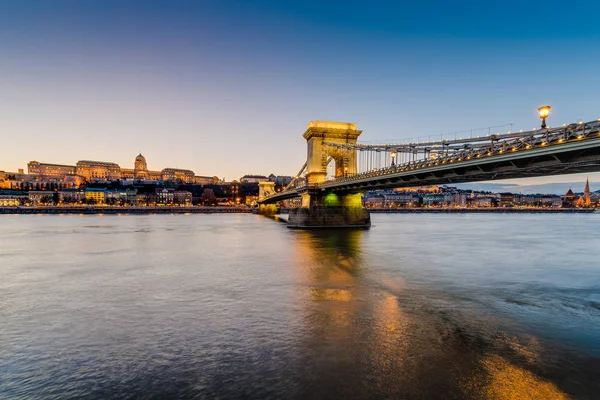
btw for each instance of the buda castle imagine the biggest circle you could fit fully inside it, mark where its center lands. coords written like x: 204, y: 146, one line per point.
x: 101, y: 171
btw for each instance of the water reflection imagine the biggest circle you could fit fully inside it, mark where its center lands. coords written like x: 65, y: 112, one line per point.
x: 196, y: 307
x: 365, y: 337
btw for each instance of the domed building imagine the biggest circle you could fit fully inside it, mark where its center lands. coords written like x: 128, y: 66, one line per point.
x: 140, y: 170
x: 140, y: 163
x: 140, y: 167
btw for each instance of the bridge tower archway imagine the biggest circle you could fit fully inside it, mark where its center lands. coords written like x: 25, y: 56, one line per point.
x: 317, y: 135
x: 265, y: 189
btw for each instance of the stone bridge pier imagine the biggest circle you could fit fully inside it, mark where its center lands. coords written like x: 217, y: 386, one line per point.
x: 321, y: 208
x: 266, y: 189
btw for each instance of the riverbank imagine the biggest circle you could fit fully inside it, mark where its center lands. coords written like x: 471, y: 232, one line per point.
x: 123, y: 210
x: 479, y: 210
x: 243, y: 210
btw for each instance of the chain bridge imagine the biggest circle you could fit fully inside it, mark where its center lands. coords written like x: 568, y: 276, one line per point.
x: 334, y: 199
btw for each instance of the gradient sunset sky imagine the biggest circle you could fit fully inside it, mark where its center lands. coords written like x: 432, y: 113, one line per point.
x: 227, y: 87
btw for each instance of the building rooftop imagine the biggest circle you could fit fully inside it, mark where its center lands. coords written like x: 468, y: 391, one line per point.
x: 98, y: 162
x: 254, y: 176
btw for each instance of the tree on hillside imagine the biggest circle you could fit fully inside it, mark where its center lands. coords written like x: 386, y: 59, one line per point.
x: 208, y: 197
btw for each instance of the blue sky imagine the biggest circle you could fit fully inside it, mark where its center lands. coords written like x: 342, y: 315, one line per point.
x: 227, y: 87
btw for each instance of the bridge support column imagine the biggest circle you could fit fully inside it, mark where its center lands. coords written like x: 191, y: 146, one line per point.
x: 267, y: 209
x: 330, y: 210
x: 266, y: 189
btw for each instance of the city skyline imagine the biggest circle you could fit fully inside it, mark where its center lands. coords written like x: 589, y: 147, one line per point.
x: 227, y: 88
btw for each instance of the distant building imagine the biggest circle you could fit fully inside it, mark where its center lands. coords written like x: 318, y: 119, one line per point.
x: 569, y: 200
x: 140, y: 171
x: 164, y: 196
x: 506, y: 199
x: 434, y: 199
x: 459, y: 199
x: 178, y: 175
x: 98, y: 171
x: 58, y: 170
x: 586, y: 199
x: 206, y: 180
x: 93, y: 171
x: 253, y: 179
x: 145, y: 198
x: 538, y: 200
x: 96, y: 195
x: 391, y: 199
x: 120, y: 196
x: 41, y: 197
x: 485, y: 201
x: 71, y: 196
x: 12, y: 198
x: 280, y: 180
x: 182, y: 197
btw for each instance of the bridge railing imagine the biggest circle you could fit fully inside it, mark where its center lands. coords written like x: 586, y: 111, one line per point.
x: 450, y: 152
x: 286, y: 191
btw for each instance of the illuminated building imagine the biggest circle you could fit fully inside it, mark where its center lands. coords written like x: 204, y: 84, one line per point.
x: 140, y: 167
x: 120, y: 196
x: 569, y: 199
x: 164, y: 196
x: 92, y: 171
x: 41, y: 197
x: 145, y: 198
x: 253, y: 179
x: 11, y: 198
x: 587, y: 199
x: 182, y: 197
x: 206, y: 180
x: 98, y: 171
x: 71, y: 196
x: 96, y: 195
x: 140, y: 171
x: 58, y: 170
x: 21, y: 181
x: 177, y: 175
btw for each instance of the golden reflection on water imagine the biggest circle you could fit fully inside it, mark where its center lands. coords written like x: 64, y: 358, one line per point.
x: 320, y: 294
x: 359, y: 330
x: 505, y: 381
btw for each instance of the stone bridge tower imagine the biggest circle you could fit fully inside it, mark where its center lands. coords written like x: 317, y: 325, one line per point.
x: 318, y: 132
x: 265, y: 189
x: 322, y: 208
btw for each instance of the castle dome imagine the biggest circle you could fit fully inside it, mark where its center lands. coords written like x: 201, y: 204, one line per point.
x: 140, y: 163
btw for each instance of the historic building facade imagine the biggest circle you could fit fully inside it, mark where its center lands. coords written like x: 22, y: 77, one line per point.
x: 58, y: 170
x: 92, y: 171
x: 98, y: 171
x: 177, y: 175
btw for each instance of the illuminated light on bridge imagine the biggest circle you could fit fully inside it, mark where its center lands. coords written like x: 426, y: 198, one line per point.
x: 544, y: 112
x: 572, y: 148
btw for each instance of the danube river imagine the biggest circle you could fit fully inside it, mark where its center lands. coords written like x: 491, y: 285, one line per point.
x: 464, y: 306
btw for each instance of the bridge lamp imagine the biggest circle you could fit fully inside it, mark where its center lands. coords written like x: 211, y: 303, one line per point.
x: 544, y: 112
x: 345, y: 171
x: 393, y: 155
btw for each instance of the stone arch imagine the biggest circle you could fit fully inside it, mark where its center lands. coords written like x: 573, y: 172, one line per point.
x: 317, y: 134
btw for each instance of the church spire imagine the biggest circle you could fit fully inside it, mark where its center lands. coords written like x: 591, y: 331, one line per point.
x: 587, y: 185
x: 586, y: 194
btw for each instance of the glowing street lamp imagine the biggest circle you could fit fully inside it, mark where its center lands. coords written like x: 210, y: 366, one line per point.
x: 544, y: 112
x: 393, y: 158
x: 345, y: 171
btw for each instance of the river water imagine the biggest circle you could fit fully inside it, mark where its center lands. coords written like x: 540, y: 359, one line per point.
x: 464, y: 306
